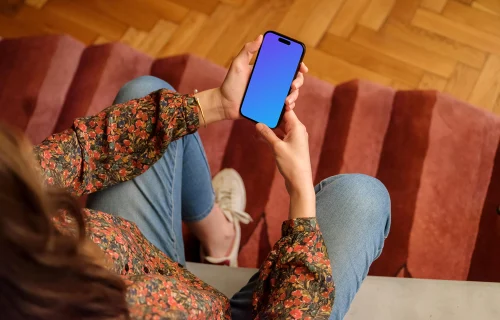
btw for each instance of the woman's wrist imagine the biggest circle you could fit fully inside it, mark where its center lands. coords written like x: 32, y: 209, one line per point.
x: 211, y: 104
x: 303, y: 203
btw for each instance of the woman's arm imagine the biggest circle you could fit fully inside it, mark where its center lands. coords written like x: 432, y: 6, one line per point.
x: 117, y: 144
x: 295, y: 281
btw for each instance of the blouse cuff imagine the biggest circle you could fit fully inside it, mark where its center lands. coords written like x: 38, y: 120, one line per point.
x: 293, y: 226
x: 189, y: 106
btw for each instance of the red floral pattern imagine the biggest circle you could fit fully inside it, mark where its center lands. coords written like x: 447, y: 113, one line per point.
x: 122, y: 142
x: 296, y: 278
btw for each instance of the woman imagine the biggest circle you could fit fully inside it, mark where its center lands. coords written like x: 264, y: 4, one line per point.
x: 142, y: 160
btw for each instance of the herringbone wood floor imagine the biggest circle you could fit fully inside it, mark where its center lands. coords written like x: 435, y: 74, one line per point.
x: 448, y: 45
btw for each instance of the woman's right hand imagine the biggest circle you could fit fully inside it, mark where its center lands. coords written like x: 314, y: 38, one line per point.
x: 294, y: 164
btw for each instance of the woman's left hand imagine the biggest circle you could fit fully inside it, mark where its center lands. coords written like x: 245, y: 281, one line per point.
x: 235, y: 83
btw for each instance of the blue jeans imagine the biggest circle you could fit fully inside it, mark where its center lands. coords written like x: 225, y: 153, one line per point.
x: 353, y: 210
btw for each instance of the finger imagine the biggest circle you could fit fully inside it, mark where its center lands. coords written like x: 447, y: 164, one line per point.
x: 267, y: 133
x: 290, y: 120
x: 303, y: 68
x: 299, y: 81
x: 292, y: 97
x: 243, y: 58
x: 290, y: 107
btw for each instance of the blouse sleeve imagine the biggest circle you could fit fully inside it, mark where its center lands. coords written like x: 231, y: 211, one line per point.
x: 295, y: 281
x: 117, y: 144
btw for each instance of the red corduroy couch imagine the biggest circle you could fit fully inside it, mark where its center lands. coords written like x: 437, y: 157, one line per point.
x: 439, y: 157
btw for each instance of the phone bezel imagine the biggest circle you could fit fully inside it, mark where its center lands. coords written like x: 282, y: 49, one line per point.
x: 296, y: 72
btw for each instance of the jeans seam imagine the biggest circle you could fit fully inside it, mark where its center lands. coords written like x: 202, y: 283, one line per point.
x: 202, y: 151
x: 172, y: 225
x: 206, y: 212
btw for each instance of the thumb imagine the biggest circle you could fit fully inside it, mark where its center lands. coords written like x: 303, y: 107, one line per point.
x: 246, y: 54
x: 267, y: 133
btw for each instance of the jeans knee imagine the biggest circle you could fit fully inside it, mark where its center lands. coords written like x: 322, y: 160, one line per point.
x: 140, y: 87
x: 366, y: 194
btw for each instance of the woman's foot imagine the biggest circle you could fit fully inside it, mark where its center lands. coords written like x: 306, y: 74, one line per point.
x: 230, y: 198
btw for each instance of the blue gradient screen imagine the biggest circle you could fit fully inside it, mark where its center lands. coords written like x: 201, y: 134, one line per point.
x: 272, y: 77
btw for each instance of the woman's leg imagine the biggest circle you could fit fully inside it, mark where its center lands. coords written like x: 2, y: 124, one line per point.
x: 354, y: 215
x: 177, y: 187
x: 353, y: 212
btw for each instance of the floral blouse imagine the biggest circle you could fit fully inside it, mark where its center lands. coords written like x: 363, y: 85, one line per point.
x: 122, y: 142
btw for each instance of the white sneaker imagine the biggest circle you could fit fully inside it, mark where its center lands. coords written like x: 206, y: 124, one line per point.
x: 230, y: 195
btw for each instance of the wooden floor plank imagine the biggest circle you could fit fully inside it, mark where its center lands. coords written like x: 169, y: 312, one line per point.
x: 233, y: 2
x: 307, y: 20
x: 213, y: 29
x: 496, y: 108
x: 101, y: 40
x: 157, y: 37
x: 460, y: 32
x: 186, y: 33
x: 493, y: 5
x: 167, y: 10
x: 432, y: 82
x: 472, y: 17
x: 56, y: 23
x: 133, y: 37
x: 403, y: 51
x: 280, y: 9
x: 294, y: 18
x: 318, y: 21
x: 397, y: 85
x: 434, y: 5
x: 87, y: 18
x: 376, y: 14
x: 204, y: 6
x: 269, y: 17
x: 462, y: 81
x: 347, y: 18
x: 479, y: 6
x: 487, y: 89
x: 435, y: 43
x: 13, y: 28
x: 375, y: 61
x: 130, y: 12
x: 35, y: 3
x: 240, y: 30
x: 404, y: 11
x: 336, y: 70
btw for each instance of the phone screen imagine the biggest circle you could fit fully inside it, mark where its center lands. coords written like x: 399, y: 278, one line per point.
x: 274, y: 70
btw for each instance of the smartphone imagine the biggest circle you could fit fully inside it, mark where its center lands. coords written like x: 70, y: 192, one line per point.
x: 275, y: 68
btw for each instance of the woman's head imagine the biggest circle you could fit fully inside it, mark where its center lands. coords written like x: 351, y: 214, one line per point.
x: 46, y: 273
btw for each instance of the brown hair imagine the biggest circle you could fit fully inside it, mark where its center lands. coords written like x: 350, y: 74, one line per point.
x: 45, y: 273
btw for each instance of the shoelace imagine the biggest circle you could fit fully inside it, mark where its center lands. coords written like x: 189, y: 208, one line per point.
x: 224, y: 200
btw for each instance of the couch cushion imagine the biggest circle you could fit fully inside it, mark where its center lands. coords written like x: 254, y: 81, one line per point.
x: 485, y: 259
x: 102, y: 71
x: 357, y: 124
x: 36, y: 73
x: 436, y: 163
